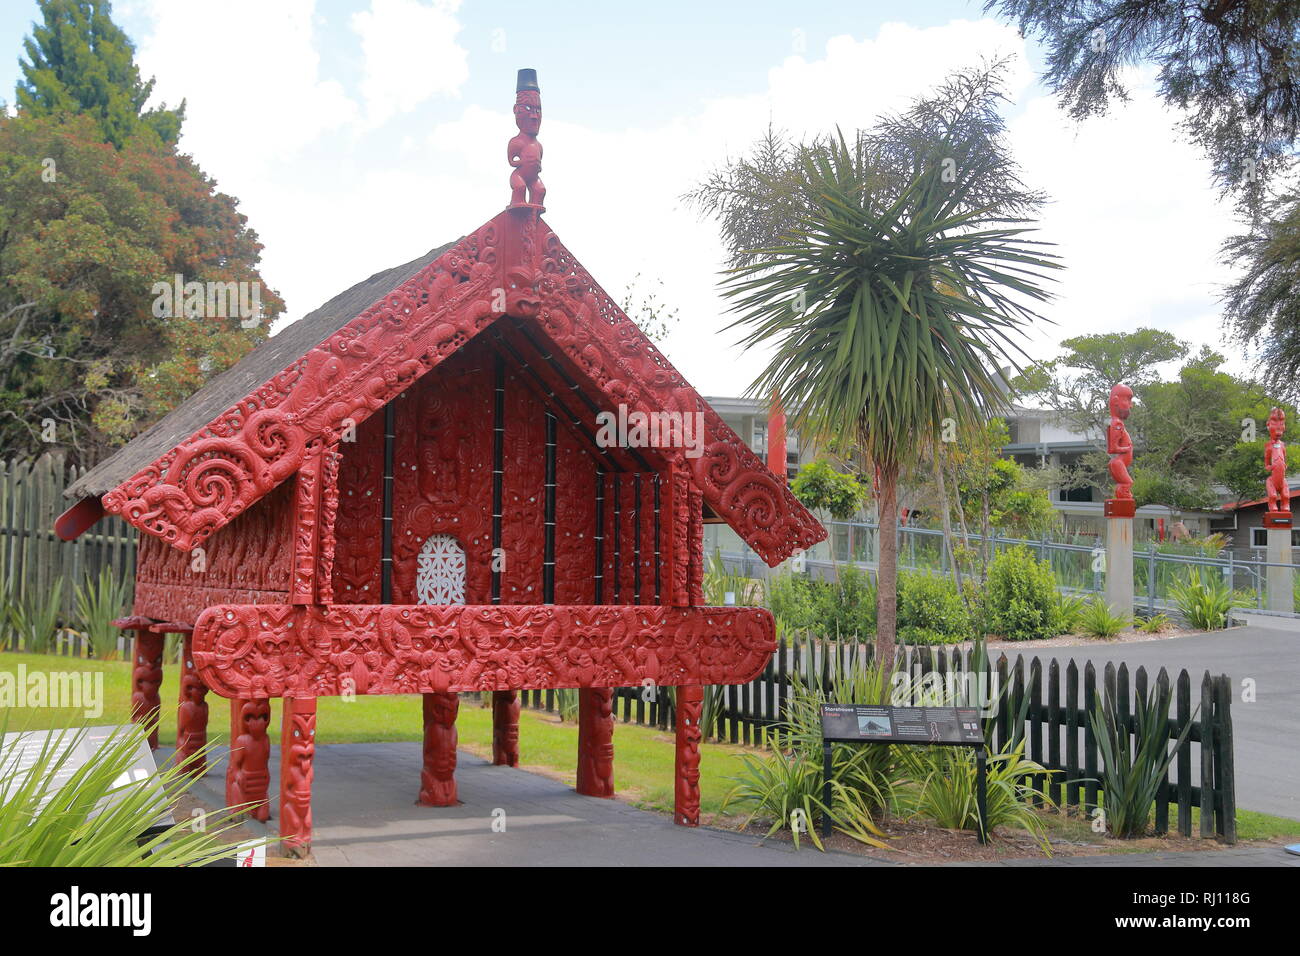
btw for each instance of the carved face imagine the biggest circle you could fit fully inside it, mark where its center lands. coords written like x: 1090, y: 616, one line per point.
x: 1276, y: 424
x: 1121, y: 401
x: 528, y: 112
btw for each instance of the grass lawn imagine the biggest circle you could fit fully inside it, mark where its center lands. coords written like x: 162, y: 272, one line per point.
x: 643, y: 757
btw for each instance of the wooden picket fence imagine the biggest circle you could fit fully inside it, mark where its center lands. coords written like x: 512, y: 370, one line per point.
x: 1046, y: 706
x: 32, y: 557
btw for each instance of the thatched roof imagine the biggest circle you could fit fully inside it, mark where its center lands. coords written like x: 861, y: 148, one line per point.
x: 244, y: 377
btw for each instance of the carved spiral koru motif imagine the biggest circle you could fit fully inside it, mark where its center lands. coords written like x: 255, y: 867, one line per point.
x: 259, y: 651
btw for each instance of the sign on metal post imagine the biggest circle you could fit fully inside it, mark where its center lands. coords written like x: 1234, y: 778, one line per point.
x: 885, y: 724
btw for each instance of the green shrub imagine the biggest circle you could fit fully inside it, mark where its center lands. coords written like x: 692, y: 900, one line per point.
x: 945, y: 792
x: 100, y: 601
x: 1155, y: 624
x: 1132, y: 771
x: 1020, y: 599
x: 1069, y: 609
x: 1205, y: 599
x: 846, y: 608
x: 36, y: 619
x: 930, y: 611
x: 792, y: 599
x: 1097, y: 621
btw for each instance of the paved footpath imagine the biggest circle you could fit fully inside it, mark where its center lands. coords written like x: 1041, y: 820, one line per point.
x: 364, y: 815
x: 1266, y: 732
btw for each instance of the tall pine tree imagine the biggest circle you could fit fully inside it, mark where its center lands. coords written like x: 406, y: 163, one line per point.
x: 80, y: 61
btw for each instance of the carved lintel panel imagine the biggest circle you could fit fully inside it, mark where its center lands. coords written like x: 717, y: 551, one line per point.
x: 292, y: 651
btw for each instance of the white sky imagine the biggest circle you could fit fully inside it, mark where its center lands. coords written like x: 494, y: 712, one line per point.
x: 361, y: 136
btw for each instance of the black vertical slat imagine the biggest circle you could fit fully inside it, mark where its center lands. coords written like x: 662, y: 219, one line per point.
x: 386, y: 552
x: 1226, y: 777
x: 1183, y: 761
x: 1054, y: 728
x: 1207, y: 757
x: 1162, y: 792
x: 548, y: 516
x: 600, y: 536
x: 1072, y: 716
x: 657, y: 542
x: 1036, y: 723
x: 498, y: 469
x: 1089, y: 736
x: 636, y: 537
x: 1003, y: 722
x: 618, y: 538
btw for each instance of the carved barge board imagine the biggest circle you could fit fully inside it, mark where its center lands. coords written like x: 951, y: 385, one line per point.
x: 262, y: 651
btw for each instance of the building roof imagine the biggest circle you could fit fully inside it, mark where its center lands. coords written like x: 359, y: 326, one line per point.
x: 256, y: 424
x: 224, y: 390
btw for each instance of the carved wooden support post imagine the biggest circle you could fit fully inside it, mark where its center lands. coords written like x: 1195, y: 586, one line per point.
x: 438, y: 779
x: 248, y: 776
x: 686, y: 798
x: 146, y: 673
x: 297, y: 749
x: 505, y: 728
x: 192, y: 708
x: 596, y: 742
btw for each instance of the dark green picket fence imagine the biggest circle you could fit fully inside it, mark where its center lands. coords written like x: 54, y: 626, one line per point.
x: 1046, y: 706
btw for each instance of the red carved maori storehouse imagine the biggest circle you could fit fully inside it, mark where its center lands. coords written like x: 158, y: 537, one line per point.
x: 409, y: 491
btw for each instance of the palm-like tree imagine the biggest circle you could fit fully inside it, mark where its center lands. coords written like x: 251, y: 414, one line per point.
x: 889, y: 310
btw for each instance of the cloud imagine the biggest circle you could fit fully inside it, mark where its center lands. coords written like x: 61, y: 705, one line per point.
x: 1132, y: 210
x: 410, y: 55
x: 249, y: 73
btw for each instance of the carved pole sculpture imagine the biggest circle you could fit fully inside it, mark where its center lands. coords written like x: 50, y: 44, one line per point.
x: 438, y: 778
x: 596, y: 742
x: 505, y: 728
x: 1276, y: 487
x: 248, y: 775
x: 192, y: 707
x: 1120, y: 509
x: 1277, y: 520
x: 146, y: 673
x: 524, y: 152
x: 686, y: 796
x: 776, y: 439
x: 297, y: 749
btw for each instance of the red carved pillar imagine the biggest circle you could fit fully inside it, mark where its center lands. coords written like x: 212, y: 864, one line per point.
x: 438, y: 779
x: 192, y: 710
x: 297, y: 748
x: 146, y: 673
x: 596, y: 742
x: 505, y: 728
x: 248, y: 777
x: 686, y: 797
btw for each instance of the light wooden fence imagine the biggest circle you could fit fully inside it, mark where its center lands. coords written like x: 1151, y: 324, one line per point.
x: 32, y: 557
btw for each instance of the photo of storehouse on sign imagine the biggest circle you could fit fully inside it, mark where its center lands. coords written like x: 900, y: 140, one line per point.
x: 404, y: 493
